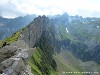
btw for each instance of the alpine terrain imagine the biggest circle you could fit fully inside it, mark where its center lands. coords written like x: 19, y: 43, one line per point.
x: 57, y: 45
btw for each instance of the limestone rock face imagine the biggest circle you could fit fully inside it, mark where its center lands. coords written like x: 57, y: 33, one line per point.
x: 16, y: 64
x: 34, y: 30
x: 7, y: 52
x: 14, y: 57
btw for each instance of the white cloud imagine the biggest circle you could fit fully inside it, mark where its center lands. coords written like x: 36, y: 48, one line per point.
x: 13, y: 8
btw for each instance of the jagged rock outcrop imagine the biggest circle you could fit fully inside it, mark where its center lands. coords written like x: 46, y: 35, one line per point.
x: 14, y: 57
x: 34, y: 30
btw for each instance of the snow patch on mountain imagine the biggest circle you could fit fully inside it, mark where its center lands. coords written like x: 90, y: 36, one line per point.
x: 98, y: 27
x: 67, y: 30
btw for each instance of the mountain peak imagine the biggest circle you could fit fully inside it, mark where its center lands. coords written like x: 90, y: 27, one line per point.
x: 20, y: 50
x: 34, y: 30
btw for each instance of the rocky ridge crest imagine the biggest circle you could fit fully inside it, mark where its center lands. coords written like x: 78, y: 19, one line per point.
x: 14, y: 57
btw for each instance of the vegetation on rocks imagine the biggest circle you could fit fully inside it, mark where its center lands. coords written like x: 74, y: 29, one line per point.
x: 10, y: 39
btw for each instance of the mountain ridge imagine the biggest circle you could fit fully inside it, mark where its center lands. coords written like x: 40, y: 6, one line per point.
x: 52, y: 42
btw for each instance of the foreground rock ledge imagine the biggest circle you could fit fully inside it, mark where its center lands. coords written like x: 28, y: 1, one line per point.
x: 17, y: 64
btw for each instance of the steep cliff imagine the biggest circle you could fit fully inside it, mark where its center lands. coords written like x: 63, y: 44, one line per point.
x: 16, y: 54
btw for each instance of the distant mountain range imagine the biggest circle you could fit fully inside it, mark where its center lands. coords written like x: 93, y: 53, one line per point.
x: 10, y: 26
x: 83, y: 34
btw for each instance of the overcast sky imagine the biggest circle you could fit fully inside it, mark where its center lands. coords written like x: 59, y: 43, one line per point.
x: 14, y: 8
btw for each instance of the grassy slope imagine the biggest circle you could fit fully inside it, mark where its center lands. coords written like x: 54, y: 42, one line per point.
x: 11, y: 39
x: 37, y: 62
x: 67, y: 62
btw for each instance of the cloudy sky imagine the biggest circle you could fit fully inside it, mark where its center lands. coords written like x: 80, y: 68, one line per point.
x: 14, y: 8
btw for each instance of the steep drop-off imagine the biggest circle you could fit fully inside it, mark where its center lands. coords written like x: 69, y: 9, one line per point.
x: 37, y: 34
